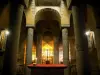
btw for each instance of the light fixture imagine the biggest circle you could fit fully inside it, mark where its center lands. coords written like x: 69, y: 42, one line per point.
x: 7, y: 32
x: 87, y: 33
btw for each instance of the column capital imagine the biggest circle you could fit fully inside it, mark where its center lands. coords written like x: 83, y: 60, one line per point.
x: 64, y: 28
x: 30, y: 26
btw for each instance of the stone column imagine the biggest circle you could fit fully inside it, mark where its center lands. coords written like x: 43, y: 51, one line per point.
x: 39, y: 49
x: 56, y: 50
x: 12, y: 45
x: 20, y: 57
x: 82, y: 61
x: 21, y: 47
x: 21, y: 52
x: 97, y: 32
x: 97, y: 40
x: 29, y: 49
x: 72, y: 51
x: 65, y: 50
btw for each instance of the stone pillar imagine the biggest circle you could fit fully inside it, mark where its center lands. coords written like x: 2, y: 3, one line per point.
x: 56, y: 50
x: 82, y: 61
x: 97, y: 40
x: 21, y: 52
x: 65, y: 50
x: 39, y: 49
x: 20, y: 57
x: 22, y: 47
x: 97, y: 33
x: 29, y: 49
x: 72, y: 51
x: 12, y: 45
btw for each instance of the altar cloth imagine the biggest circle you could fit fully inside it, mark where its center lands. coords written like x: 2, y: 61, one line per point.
x: 47, y: 66
x: 47, y: 69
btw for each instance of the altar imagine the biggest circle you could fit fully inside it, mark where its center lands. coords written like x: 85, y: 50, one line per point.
x: 47, y: 69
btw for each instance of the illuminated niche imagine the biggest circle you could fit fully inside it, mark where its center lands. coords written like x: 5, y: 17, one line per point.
x: 47, y: 52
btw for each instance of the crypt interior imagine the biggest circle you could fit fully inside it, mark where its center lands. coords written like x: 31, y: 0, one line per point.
x: 49, y: 37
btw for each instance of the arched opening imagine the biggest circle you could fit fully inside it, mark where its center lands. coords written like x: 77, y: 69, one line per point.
x: 48, y: 26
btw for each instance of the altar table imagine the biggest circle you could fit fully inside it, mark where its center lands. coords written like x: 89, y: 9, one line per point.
x: 47, y: 69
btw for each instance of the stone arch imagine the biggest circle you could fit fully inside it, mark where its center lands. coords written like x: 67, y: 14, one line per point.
x: 47, y: 14
x: 48, y: 19
x: 47, y: 23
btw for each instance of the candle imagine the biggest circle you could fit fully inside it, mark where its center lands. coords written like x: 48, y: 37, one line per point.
x: 36, y: 60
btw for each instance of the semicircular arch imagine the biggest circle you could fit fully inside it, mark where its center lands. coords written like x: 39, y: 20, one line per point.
x: 47, y: 14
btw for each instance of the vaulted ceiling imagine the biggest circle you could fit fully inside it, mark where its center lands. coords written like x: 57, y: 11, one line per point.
x: 4, y: 12
x: 47, y: 2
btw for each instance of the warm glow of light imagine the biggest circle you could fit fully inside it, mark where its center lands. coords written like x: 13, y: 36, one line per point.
x: 33, y: 57
x: 34, y: 60
x: 45, y: 47
x: 7, y: 32
x: 87, y: 33
x: 25, y: 53
x: 47, y: 51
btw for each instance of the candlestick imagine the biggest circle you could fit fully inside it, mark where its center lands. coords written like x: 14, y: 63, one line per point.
x: 36, y: 60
